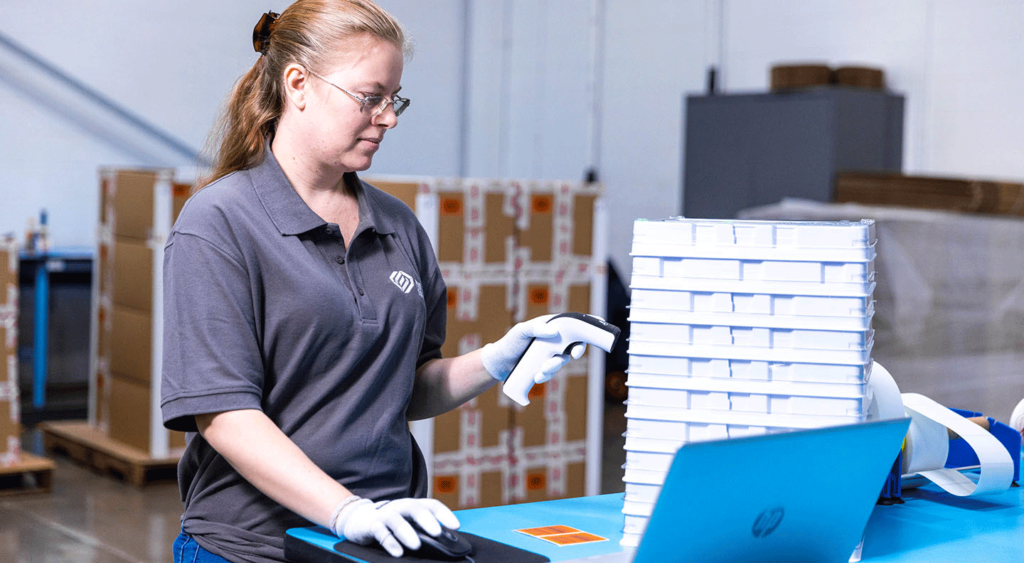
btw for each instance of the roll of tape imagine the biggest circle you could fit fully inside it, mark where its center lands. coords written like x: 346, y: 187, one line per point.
x: 886, y: 402
x: 996, y: 465
x: 927, y: 444
x: 1017, y: 418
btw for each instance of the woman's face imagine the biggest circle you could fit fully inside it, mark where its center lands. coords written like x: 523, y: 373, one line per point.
x: 343, y: 134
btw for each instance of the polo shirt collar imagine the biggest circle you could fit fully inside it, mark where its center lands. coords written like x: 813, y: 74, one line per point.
x: 292, y: 216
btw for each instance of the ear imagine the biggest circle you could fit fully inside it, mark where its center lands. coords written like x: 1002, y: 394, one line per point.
x: 296, y: 83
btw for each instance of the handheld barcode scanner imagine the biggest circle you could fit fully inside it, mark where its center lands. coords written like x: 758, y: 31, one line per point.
x: 573, y: 329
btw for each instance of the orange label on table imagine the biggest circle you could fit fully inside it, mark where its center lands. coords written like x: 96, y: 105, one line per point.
x: 573, y: 539
x: 562, y: 535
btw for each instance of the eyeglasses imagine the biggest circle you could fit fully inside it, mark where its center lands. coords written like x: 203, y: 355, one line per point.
x: 377, y: 103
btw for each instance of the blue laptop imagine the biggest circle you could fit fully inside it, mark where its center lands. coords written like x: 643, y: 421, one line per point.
x: 789, y: 497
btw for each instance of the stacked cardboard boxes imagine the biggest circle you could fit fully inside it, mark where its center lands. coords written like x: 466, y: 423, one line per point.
x: 923, y: 192
x: 510, y: 251
x: 137, y: 209
x: 10, y: 404
x: 741, y: 328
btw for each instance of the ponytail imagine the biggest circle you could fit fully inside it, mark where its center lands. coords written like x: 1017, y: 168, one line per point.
x: 300, y: 35
x: 247, y: 123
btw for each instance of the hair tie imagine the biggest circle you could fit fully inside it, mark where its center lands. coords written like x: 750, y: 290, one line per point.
x: 261, y: 33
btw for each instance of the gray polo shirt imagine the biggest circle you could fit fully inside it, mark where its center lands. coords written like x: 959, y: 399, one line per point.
x: 265, y: 308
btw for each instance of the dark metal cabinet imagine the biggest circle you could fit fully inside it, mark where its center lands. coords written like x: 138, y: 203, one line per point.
x: 755, y: 149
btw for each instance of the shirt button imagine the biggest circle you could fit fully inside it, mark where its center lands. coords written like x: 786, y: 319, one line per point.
x: 360, y: 292
x: 339, y: 259
x: 330, y: 231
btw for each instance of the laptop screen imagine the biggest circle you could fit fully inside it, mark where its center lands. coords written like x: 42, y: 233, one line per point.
x: 804, y: 495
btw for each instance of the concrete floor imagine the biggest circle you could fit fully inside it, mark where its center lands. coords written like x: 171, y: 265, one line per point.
x: 88, y: 518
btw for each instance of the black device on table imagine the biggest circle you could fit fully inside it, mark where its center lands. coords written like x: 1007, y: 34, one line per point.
x: 449, y: 546
x: 302, y: 546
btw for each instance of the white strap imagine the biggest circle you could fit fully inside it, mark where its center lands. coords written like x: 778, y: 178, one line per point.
x: 996, y: 466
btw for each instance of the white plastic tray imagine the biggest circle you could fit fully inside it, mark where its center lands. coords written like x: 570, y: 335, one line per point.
x: 654, y: 461
x: 748, y: 402
x: 672, y: 249
x: 637, y: 508
x: 637, y: 492
x: 639, y: 314
x: 836, y: 289
x: 774, y: 420
x: 716, y: 300
x: 666, y: 446
x: 658, y: 435
x: 855, y: 390
x: 752, y: 336
x: 741, y: 232
x: 631, y: 538
x: 753, y: 353
x: 643, y: 475
x: 754, y: 270
x: 759, y: 370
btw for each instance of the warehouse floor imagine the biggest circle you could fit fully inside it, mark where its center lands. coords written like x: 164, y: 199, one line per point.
x: 88, y: 518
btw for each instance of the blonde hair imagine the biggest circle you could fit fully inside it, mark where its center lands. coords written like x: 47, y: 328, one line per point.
x: 306, y: 33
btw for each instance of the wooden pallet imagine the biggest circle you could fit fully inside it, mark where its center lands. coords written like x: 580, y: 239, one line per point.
x: 32, y: 474
x: 91, y: 447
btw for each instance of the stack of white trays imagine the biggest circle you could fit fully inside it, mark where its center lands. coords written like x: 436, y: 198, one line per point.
x: 740, y: 328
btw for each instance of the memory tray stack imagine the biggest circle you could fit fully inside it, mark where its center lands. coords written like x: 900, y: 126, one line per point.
x: 740, y: 328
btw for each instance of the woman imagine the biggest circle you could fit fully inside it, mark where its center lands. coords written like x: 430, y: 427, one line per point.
x: 294, y: 343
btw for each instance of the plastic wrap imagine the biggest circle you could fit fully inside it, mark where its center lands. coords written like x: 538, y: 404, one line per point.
x: 949, y: 311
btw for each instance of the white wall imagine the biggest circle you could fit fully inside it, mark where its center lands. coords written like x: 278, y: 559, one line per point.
x: 523, y: 88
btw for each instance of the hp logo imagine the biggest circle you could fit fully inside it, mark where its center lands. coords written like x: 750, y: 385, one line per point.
x: 767, y: 522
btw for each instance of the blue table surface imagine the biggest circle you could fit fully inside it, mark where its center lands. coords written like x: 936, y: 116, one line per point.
x: 599, y: 515
x: 931, y: 525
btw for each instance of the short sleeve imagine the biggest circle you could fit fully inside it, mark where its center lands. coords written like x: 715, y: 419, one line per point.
x: 436, y: 296
x: 211, y: 353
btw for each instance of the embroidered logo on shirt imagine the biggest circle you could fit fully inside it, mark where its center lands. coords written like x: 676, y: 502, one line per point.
x: 403, y: 281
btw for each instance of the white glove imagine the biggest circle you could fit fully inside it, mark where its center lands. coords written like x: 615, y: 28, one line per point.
x: 362, y: 521
x: 500, y: 357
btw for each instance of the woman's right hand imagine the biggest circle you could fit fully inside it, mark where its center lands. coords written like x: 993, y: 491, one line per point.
x: 362, y: 521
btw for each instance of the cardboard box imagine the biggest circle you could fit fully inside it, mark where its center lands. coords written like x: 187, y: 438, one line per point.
x: 103, y: 267
x: 104, y: 333
x: 137, y: 210
x: 131, y: 345
x: 555, y: 228
x: 129, y: 412
x: 509, y: 251
x: 548, y: 481
x: 480, y: 310
x: 132, y: 275
x: 565, y: 294
x: 126, y: 412
x: 10, y: 424
x: 477, y: 425
x: 946, y: 194
x: 405, y: 191
x: 8, y: 273
x: 180, y: 192
x: 9, y: 332
x: 131, y: 195
x: 477, y: 490
x: 131, y: 202
x: 475, y: 226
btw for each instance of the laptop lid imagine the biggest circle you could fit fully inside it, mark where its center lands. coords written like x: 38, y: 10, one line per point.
x: 796, y: 496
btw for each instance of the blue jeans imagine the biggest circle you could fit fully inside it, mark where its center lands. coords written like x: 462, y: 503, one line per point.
x: 186, y: 550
